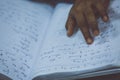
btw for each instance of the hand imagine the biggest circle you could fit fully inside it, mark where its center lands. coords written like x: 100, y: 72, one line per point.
x: 84, y: 15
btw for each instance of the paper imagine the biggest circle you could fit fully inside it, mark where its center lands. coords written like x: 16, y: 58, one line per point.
x: 22, y: 27
x: 63, y: 54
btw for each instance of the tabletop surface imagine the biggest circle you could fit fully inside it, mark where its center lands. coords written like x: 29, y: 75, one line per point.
x: 106, y: 77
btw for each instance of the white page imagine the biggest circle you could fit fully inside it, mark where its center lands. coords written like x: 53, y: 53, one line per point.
x: 63, y: 54
x: 22, y: 27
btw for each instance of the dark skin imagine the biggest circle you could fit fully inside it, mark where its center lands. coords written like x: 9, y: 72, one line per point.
x: 83, y: 15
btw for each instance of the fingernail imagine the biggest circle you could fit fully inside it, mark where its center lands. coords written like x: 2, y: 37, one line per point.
x: 96, y: 33
x: 89, y: 41
x: 105, y: 18
x: 69, y: 34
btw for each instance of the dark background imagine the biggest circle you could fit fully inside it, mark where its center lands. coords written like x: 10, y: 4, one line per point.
x: 105, y: 77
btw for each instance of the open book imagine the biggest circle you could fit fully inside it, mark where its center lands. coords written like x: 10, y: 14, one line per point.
x: 33, y: 43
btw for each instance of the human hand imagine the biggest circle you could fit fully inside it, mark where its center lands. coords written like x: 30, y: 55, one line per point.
x: 84, y: 15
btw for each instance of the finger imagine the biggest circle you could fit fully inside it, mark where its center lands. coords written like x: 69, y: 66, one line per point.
x: 106, y: 3
x: 92, y: 21
x: 70, y: 25
x: 96, y: 13
x: 84, y: 28
x: 86, y: 33
x: 100, y: 8
x: 69, y: 18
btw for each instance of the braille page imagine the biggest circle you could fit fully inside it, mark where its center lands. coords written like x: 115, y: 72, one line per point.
x: 63, y: 54
x: 22, y: 27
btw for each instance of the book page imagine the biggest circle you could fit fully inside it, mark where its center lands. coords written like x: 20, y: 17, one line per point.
x: 22, y: 27
x: 63, y: 54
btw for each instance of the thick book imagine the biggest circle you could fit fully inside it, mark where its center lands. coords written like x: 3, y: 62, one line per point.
x: 34, y: 45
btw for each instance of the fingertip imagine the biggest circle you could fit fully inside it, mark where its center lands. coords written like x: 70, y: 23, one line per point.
x: 96, y: 33
x: 105, y: 18
x: 89, y: 41
x: 69, y: 33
